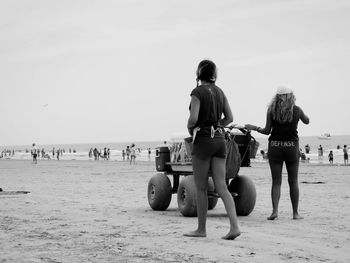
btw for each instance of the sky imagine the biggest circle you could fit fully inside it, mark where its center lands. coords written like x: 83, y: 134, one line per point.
x: 83, y: 71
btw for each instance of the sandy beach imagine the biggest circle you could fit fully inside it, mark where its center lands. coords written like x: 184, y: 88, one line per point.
x: 97, y: 211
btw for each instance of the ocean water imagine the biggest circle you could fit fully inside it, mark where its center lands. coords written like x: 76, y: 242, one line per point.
x: 81, y: 150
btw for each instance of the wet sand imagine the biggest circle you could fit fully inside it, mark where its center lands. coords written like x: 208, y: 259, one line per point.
x: 87, y: 211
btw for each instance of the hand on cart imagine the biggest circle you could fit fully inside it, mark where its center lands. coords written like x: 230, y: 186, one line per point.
x: 250, y: 127
x: 239, y: 127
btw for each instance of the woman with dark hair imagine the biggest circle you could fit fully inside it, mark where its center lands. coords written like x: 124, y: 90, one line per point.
x: 209, y: 112
x: 282, y: 123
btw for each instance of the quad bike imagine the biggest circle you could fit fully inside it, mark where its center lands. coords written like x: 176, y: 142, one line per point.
x: 175, y: 162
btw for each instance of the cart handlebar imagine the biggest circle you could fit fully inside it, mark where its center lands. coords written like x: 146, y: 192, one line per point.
x: 243, y: 129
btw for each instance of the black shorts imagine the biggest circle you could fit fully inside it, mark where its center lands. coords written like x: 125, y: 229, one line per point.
x: 35, y: 155
x: 206, y: 147
x: 280, y: 151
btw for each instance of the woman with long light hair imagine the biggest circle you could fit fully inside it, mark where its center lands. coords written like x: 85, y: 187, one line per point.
x: 282, y: 122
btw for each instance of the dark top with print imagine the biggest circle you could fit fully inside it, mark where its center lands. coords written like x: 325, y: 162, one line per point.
x: 211, y: 100
x: 286, y: 131
x: 211, y: 108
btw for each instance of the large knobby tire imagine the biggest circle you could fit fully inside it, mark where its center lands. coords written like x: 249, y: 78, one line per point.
x: 186, y: 197
x: 159, y: 192
x: 245, y: 200
x: 212, y: 201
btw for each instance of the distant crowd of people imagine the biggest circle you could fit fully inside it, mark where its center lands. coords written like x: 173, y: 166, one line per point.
x: 7, y: 153
x: 331, y: 155
x: 128, y: 154
x: 99, y: 154
x: 54, y: 153
x: 36, y: 153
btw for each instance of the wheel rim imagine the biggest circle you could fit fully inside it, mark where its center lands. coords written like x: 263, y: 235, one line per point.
x: 183, y: 195
x: 152, y: 192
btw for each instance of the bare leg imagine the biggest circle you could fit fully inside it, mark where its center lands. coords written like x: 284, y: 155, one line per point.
x: 200, y: 173
x: 292, y: 169
x: 276, y: 172
x: 218, y: 166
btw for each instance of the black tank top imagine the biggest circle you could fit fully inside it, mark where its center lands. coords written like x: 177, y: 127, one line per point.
x: 286, y: 131
x: 211, y: 105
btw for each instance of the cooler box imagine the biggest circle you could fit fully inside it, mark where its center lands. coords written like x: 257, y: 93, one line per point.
x: 162, y: 157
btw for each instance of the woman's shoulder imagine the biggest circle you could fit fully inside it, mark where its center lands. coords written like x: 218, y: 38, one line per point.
x: 196, y: 91
x: 297, y: 109
x: 219, y: 89
x: 299, y: 113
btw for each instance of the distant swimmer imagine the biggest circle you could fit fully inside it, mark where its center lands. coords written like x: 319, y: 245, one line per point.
x: 127, y: 151
x: 281, y: 122
x: 149, y: 153
x: 346, y: 156
x: 330, y: 157
x: 307, y: 148
x: 320, y: 151
x: 34, y: 153
x: 132, y: 154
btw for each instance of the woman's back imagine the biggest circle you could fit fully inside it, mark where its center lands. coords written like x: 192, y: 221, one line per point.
x: 286, y: 131
x: 211, y: 100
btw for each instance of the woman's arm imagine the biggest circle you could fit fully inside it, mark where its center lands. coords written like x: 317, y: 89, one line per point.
x: 228, y: 117
x: 303, y: 117
x: 268, y: 125
x: 194, y: 111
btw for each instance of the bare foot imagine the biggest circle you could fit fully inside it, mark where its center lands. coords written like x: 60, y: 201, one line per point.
x: 195, y: 233
x: 273, y: 216
x: 232, y: 235
x: 296, y: 216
